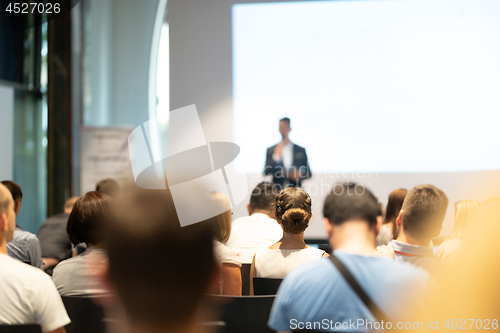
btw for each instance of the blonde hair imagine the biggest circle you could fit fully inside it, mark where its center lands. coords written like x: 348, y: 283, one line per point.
x: 465, y: 215
x: 70, y: 202
x: 222, y: 221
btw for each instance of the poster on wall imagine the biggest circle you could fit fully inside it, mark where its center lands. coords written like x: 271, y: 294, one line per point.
x: 104, y: 154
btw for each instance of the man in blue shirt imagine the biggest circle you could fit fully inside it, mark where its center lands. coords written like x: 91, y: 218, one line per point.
x: 316, y: 296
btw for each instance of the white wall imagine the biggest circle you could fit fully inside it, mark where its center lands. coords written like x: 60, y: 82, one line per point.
x: 201, y: 74
x: 6, y: 132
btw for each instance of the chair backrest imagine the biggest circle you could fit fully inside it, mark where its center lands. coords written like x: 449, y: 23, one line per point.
x: 244, y: 314
x: 245, y: 279
x: 265, y: 286
x: 85, y: 315
x: 31, y: 328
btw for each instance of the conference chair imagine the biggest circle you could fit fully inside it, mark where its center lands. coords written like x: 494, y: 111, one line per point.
x: 85, y: 315
x: 265, y: 286
x: 243, y: 314
x: 30, y: 328
x: 245, y: 279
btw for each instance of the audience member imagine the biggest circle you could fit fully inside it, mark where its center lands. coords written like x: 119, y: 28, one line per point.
x: 389, y: 230
x: 317, y: 290
x: 258, y: 230
x: 108, y: 186
x: 27, y: 295
x: 159, y: 269
x: 293, y: 212
x: 228, y: 258
x: 465, y: 215
x: 419, y: 221
x: 53, y: 237
x: 25, y: 245
x: 84, y: 226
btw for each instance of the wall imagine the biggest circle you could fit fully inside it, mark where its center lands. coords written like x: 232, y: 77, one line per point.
x: 118, y: 37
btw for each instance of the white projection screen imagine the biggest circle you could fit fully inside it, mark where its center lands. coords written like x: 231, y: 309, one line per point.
x: 387, y: 94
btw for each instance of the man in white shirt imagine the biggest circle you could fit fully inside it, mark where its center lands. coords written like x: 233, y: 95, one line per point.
x: 286, y: 161
x: 27, y: 294
x: 259, y: 230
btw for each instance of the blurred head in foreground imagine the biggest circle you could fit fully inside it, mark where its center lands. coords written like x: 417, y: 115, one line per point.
x: 470, y: 289
x: 159, y: 269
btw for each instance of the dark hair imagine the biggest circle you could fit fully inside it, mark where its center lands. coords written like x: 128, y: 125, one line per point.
x: 380, y: 209
x: 393, y: 208
x: 394, y: 204
x: 264, y: 197
x: 86, y: 218
x: 160, y: 269
x: 286, y: 119
x: 107, y: 186
x: 424, y: 209
x: 350, y: 201
x: 15, y: 190
x: 293, y: 209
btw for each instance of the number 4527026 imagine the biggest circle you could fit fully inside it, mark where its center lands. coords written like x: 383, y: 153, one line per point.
x: 463, y: 324
x: 33, y: 7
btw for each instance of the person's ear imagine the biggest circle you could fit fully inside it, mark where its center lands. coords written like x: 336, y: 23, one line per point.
x: 310, y: 217
x: 399, y: 219
x: 17, y: 208
x: 328, y: 227
x: 249, y: 209
x: 378, y: 225
x: 3, y: 222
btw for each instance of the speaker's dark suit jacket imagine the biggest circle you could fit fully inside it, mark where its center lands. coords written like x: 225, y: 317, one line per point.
x: 280, y: 175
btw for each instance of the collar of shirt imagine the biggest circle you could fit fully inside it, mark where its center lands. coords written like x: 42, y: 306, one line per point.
x: 261, y: 216
x: 409, y: 250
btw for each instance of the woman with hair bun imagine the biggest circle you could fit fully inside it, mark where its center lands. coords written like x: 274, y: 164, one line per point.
x: 293, y: 212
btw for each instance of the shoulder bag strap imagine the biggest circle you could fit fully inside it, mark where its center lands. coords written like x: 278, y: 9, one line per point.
x: 374, y: 309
